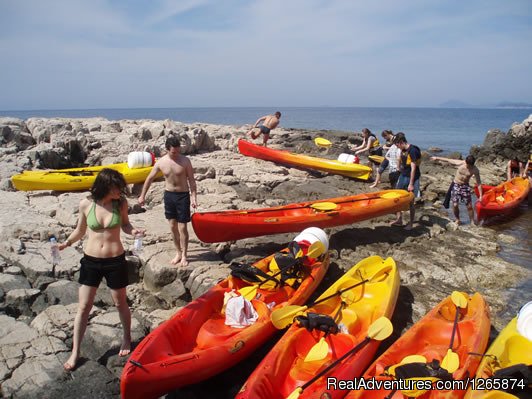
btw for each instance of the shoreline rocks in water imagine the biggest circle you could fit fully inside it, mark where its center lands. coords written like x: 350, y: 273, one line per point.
x: 37, y: 306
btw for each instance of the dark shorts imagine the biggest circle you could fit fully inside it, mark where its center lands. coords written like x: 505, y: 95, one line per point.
x: 113, y: 269
x: 394, y: 176
x: 264, y: 130
x: 384, y: 165
x: 403, y: 182
x: 177, y: 206
x: 376, y: 151
x: 461, y: 193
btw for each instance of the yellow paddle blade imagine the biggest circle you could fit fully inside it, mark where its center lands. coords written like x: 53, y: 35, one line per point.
x: 318, y: 352
x: 315, y: 250
x: 381, y: 329
x: 295, y: 393
x: 451, y: 361
x: 414, y: 393
x: 391, y: 195
x: 376, y: 158
x: 249, y: 292
x: 324, y: 206
x: 281, y: 318
x: 321, y: 142
x: 414, y: 359
x: 459, y: 299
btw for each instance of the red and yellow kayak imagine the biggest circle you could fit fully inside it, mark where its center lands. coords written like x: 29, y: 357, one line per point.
x: 430, y: 337
x: 285, y: 369
x: 503, y: 198
x: 237, y: 224
x: 509, y: 349
x: 348, y: 169
x: 196, y: 344
x: 74, y: 179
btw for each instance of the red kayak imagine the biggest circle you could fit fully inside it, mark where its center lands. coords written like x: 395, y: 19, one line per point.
x: 333, y: 166
x: 234, y: 225
x: 430, y: 338
x: 196, y: 344
x: 502, y: 199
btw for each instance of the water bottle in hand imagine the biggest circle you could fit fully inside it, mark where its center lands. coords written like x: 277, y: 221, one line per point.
x: 137, y: 245
x: 54, y: 250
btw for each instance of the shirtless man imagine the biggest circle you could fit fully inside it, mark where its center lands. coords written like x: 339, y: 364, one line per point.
x: 265, y: 124
x: 179, y: 184
x: 461, y: 191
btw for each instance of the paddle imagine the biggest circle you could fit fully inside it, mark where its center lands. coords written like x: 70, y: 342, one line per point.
x: 285, y: 316
x: 315, y: 250
x: 381, y: 329
x: 321, y: 142
x: 451, y: 361
x: 324, y: 206
x: 320, y: 350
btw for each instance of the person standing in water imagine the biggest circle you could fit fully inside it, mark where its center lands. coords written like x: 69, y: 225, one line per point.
x: 179, y: 195
x: 265, y: 124
x: 105, y: 213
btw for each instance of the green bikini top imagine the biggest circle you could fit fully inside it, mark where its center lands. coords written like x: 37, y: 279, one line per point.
x: 93, y: 223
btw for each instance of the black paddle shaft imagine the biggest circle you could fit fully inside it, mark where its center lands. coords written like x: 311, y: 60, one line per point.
x: 455, y: 324
x: 339, y: 292
x: 336, y: 362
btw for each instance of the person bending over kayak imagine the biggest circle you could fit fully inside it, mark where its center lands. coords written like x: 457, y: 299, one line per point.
x: 461, y: 191
x: 515, y: 168
x: 265, y: 124
x: 105, y: 214
x: 179, y: 194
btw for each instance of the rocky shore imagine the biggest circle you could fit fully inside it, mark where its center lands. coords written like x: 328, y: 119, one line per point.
x: 38, y: 304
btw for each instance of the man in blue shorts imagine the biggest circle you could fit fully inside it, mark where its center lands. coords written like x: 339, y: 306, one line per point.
x: 410, y: 174
x: 265, y: 124
x: 179, y: 194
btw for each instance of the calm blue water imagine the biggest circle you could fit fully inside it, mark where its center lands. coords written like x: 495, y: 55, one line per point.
x: 448, y: 128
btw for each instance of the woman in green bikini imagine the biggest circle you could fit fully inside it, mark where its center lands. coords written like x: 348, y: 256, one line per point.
x: 105, y: 214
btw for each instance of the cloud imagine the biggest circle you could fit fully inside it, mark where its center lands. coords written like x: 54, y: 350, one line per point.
x: 77, y: 54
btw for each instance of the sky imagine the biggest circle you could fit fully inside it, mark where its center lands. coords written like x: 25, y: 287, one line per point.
x: 85, y: 54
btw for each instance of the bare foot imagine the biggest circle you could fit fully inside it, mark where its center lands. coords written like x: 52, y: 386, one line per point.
x: 374, y: 185
x: 125, y: 349
x: 70, y: 364
x: 176, y: 259
x: 184, y: 261
x: 397, y: 223
x: 458, y: 222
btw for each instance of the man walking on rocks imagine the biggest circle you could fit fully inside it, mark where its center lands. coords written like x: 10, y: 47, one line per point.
x: 265, y: 124
x: 461, y: 191
x: 179, y: 195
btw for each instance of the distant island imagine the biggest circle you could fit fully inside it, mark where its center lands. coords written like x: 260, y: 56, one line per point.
x: 503, y: 104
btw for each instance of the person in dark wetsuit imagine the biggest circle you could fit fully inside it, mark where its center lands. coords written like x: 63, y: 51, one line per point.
x: 105, y: 213
x: 265, y: 124
x: 179, y: 195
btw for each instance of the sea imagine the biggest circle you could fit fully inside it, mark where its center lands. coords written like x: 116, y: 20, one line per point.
x: 450, y: 129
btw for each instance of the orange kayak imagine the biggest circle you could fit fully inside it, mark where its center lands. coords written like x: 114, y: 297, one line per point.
x: 348, y: 169
x: 196, y: 344
x: 430, y: 337
x: 286, y: 368
x: 237, y: 224
x: 503, y: 198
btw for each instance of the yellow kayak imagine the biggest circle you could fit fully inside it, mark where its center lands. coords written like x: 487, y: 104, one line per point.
x: 74, y: 179
x: 509, y: 349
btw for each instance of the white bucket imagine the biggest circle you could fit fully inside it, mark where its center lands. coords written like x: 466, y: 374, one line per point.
x: 313, y: 234
x: 139, y: 159
x: 524, y: 321
x: 348, y: 158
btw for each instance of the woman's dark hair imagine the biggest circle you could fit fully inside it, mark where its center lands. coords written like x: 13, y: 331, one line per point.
x: 172, y: 141
x: 366, y: 131
x: 106, y: 180
x: 386, y: 133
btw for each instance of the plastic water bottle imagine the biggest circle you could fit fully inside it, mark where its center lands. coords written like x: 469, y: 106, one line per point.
x: 54, y: 250
x: 137, y: 245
